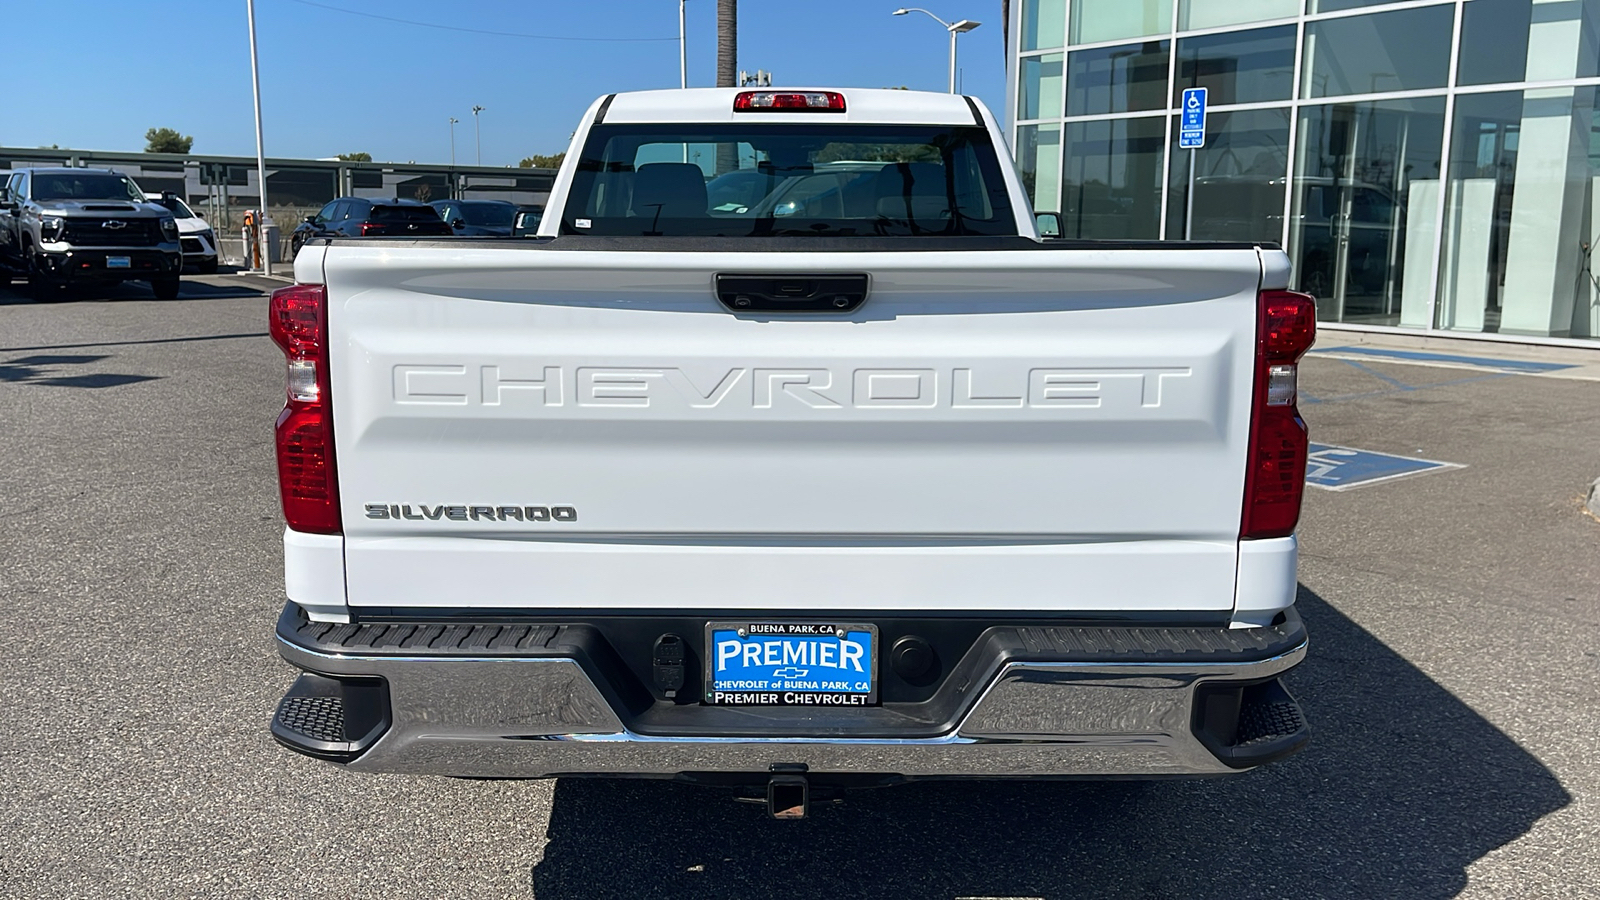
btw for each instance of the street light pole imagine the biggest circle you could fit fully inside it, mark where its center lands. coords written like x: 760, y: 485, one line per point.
x: 261, y: 158
x: 683, y: 50
x: 478, y: 132
x: 958, y: 27
x: 453, y: 121
x: 952, y: 61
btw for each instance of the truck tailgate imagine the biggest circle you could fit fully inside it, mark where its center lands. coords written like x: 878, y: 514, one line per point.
x: 1019, y: 430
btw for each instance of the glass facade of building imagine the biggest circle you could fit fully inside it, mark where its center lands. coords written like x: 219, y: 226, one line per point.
x: 1428, y: 164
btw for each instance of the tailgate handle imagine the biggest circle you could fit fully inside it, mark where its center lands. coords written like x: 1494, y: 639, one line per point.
x: 810, y: 293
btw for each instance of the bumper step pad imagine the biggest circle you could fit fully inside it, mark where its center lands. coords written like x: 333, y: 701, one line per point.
x: 1248, y: 725
x: 1265, y: 722
x: 335, y: 719
x: 315, y: 718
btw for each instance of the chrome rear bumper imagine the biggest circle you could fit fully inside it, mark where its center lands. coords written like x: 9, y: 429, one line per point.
x: 515, y: 715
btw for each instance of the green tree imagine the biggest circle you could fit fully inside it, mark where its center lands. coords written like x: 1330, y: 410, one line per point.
x: 893, y: 153
x: 362, y: 156
x: 165, y: 140
x: 541, y: 161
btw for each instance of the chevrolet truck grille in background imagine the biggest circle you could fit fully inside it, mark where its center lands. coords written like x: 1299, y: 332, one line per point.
x: 110, y: 232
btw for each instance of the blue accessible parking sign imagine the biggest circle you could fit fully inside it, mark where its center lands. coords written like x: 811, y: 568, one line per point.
x: 1192, y: 120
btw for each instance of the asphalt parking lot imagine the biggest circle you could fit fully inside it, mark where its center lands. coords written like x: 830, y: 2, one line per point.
x: 1453, y: 681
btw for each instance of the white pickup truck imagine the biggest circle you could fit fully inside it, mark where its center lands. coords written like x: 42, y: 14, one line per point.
x: 789, y: 454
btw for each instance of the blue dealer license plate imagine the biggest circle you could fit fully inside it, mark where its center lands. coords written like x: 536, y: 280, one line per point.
x: 791, y: 664
x: 119, y: 262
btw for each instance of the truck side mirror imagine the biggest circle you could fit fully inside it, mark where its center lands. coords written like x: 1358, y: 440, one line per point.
x: 311, y: 219
x: 1049, y: 224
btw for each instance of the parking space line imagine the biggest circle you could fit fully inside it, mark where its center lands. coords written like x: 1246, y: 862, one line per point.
x: 1420, y: 356
x: 1397, y: 385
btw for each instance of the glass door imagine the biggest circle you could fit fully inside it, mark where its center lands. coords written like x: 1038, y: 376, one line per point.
x: 1365, y: 201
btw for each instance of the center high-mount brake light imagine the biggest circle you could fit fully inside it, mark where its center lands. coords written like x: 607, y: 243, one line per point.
x: 788, y: 101
x: 298, y: 322
x: 1275, y: 473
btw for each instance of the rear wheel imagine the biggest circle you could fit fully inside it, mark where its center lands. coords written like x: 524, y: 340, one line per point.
x: 166, y: 287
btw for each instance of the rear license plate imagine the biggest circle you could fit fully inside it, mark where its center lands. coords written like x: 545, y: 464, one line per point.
x: 791, y: 664
x: 119, y: 262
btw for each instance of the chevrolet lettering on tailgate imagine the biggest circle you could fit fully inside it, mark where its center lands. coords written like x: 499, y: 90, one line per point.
x: 538, y: 386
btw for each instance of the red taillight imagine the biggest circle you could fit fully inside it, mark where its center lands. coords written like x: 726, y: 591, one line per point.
x: 1275, y: 473
x: 298, y: 321
x: 370, y: 228
x: 788, y: 101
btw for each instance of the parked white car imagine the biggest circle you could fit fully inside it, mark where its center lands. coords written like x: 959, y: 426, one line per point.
x: 199, y: 242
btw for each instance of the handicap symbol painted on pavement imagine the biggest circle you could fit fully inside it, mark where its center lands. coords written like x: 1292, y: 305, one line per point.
x: 1341, y: 468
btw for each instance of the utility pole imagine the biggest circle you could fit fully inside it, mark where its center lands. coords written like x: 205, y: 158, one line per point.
x: 453, y: 121
x: 261, y: 158
x: 683, y: 50
x: 478, y: 131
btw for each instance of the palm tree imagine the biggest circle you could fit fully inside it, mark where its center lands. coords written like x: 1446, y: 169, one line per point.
x: 727, y: 42
x: 1005, y: 29
x: 727, y: 69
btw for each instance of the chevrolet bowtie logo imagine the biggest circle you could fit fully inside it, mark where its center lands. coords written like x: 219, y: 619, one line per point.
x: 114, y: 224
x: 789, y: 672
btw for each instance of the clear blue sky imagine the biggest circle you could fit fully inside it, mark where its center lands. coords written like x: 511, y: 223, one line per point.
x: 104, y: 71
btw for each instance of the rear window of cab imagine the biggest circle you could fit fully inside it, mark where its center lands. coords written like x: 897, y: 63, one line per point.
x: 754, y: 179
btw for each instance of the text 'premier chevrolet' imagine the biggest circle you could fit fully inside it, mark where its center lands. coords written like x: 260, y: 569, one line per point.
x: 876, y: 484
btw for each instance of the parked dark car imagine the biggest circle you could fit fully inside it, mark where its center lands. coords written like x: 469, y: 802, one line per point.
x: 526, y: 222
x: 368, y: 217
x: 477, y: 218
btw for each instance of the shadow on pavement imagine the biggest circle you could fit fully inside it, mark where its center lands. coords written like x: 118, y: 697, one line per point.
x: 41, y: 369
x: 206, y: 290
x: 1402, y: 788
x: 191, y: 289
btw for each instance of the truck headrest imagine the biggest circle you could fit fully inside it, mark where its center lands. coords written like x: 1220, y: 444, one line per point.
x: 915, y: 192
x: 677, y: 189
